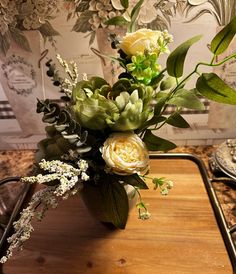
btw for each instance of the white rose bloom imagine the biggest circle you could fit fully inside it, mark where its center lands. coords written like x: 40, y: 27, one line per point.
x: 125, y: 154
x: 139, y: 41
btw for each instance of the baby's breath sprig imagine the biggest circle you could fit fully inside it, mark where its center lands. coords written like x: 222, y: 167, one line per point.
x: 70, y: 182
x: 67, y: 175
x: 163, y: 184
x: 66, y: 84
x: 142, y: 207
x: 44, y: 198
x: 71, y: 70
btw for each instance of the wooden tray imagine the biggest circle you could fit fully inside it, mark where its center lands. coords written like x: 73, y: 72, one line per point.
x: 182, y: 235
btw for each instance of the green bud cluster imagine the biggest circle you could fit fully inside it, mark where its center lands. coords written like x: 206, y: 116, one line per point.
x: 144, y: 67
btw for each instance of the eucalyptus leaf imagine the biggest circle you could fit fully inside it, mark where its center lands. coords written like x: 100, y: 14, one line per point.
x: 117, y: 21
x: 177, y: 120
x: 175, y: 61
x: 186, y: 98
x: 222, y: 39
x: 214, y: 88
x: 154, y: 143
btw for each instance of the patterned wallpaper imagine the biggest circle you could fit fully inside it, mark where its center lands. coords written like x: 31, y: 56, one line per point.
x: 34, y: 31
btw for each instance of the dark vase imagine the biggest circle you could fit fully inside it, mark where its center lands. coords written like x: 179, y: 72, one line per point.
x: 93, y: 198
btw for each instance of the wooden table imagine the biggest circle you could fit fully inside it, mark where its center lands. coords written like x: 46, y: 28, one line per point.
x: 181, y: 236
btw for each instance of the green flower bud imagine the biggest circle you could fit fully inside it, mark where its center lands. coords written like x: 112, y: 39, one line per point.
x: 168, y: 83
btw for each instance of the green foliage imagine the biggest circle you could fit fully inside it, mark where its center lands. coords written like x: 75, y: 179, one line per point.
x: 63, y: 122
x: 134, y: 180
x: 168, y: 83
x: 115, y: 202
x: 136, y: 102
x: 155, y: 143
x: 51, y: 148
x: 186, y: 98
x: 158, y: 182
x: 177, y: 120
x: 222, y: 39
x: 163, y: 184
x: 175, y: 61
x: 214, y: 88
x: 144, y: 67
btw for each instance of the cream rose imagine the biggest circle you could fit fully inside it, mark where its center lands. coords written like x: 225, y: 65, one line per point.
x: 125, y: 154
x: 140, y: 41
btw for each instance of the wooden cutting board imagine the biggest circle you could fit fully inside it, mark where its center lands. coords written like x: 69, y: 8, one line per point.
x: 181, y: 236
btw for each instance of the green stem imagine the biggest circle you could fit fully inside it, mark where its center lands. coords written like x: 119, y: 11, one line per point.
x: 213, y: 59
x: 203, y: 64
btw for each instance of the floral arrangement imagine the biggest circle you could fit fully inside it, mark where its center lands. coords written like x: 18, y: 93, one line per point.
x: 92, y: 15
x: 21, y: 15
x: 98, y: 140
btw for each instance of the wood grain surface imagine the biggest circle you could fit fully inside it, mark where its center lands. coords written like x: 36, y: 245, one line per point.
x: 181, y: 236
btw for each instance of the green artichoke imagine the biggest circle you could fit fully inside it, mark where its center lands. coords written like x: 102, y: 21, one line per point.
x: 91, y: 107
x: 123, y: 107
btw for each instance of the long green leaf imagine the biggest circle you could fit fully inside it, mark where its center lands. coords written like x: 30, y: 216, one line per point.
x: 186, y: 98
x: 222, y: 40
x: 175, y: 61
x: 214, y: 88
x: 177, y: 120
x: 115, y: 201
x: 155, y: 143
